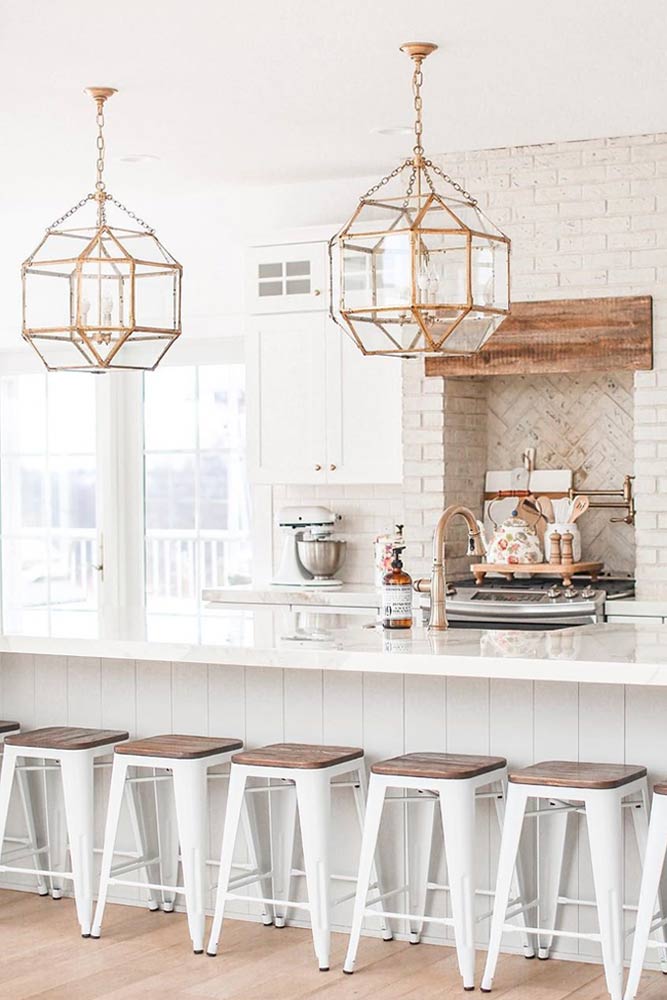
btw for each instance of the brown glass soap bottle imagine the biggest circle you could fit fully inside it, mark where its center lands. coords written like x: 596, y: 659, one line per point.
x: 397, y: 594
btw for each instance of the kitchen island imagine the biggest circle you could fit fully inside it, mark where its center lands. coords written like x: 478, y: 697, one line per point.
x: 265, y: 675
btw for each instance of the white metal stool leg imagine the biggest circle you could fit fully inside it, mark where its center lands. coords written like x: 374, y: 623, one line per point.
x: 141, y: 840
x: 28, y: 808
x: 56, y: 827
x: 282, y: 814
x: 167, y: 839
x: 313, y: 792
x: 420, y: 825
x: 509, y: 849
x: 190, y: 790
x: 360, y: 798
x: 640, y: 820
x: 656, y: 849
x: 519, y: 887
x: 259, y: 859
x: 375, y: 804
x: 457, y: 805
x: 237, y: 782
x: 77, y: 776
x: 605, y: 831
x: 6, y: 780
x: 552, y: 835
x: 116, y: 790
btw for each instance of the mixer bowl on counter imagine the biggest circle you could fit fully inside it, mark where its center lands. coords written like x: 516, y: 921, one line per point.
x: 322, y: 557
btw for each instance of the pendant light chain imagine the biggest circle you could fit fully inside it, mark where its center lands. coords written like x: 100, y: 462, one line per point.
x: 417, y: 81
x: 99, y: 184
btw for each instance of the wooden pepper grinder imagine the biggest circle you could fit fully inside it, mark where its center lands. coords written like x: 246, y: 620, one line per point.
x: 554, y: 549
x: 566, y: 549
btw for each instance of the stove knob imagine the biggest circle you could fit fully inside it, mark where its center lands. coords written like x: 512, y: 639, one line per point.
x: 570, y: 592
x: 553, y: 592
x: 588, y: 592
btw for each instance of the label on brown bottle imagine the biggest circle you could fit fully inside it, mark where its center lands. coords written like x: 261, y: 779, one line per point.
x: 397, y: 603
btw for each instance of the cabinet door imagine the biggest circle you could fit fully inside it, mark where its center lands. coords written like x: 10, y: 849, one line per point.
x: 363, y: 413
x: 288, y: 277
x: 286, y: 405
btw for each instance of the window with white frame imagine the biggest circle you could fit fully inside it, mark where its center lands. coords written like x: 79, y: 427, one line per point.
x: 178, y: 483
x: 48, y: 489
x: 196, y: 496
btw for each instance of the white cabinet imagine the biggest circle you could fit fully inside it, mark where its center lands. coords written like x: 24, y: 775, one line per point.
x: 286, y: 277
x: 286, y: 378
x: 363, y: 413
x: 318, y: 410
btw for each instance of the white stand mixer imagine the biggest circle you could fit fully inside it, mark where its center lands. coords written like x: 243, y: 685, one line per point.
x: 310, y: 556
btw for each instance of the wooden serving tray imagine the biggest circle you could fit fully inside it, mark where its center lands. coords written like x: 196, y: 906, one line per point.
x: 565, y: 570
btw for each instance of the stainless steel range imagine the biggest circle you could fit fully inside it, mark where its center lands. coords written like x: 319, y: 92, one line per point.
x: 533, y: 604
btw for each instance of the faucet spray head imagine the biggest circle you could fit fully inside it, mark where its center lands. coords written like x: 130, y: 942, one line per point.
x: 475, y: 543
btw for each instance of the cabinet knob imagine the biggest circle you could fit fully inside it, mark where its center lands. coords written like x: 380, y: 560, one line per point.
x: 332, y: 468
x: 318, y: 468
x: 316, y: 291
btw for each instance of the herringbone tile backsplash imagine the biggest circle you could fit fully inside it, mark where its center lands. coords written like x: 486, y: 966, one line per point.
x: 579, y: 422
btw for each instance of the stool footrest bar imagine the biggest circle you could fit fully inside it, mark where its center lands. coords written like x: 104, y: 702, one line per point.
x: 133, y: 866
x: 36, y: 871
x: 243, y: 880
x: 290, y: 904
x: 391, y: 915
x: 148, y: 885
x: 552, y: 933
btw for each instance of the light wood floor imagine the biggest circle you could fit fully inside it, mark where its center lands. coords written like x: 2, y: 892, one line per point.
x: 147, y: 955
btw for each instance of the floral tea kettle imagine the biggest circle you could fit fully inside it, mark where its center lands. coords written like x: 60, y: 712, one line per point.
x: 514, y: 541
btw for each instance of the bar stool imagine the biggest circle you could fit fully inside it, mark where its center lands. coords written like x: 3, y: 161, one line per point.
x: 24, y: 846
x: 455, y: 781
x: 188, y: 758
x: 598, y: 791
x: 656, y: 848
x: 303, y: 778
x: 75, y: 750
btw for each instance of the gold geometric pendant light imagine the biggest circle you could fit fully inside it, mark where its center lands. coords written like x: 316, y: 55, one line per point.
x: 417, y: 270
x: 101, y: 297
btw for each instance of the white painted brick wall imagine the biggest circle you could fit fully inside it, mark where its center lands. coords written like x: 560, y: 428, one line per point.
x: 586, y: 219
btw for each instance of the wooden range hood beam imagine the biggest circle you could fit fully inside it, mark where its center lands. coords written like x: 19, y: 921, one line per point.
x: 562, y: 335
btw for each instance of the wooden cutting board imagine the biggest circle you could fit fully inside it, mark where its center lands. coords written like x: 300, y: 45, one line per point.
x: 565, y: 571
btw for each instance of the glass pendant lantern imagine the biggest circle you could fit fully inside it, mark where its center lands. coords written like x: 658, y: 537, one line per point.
x: 101, y: 297
x: 418, y: 270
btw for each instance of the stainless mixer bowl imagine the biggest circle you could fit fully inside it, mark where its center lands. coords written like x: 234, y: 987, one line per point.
x: 322, y: 557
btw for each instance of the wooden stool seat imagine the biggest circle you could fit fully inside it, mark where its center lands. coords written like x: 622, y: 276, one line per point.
x: 660, y: 788
x: 438, y: 765
x: 9, y: 727
x: 298, y: 755
x: 572, y: 774
x: 179, y: 747
x: 66, y: 738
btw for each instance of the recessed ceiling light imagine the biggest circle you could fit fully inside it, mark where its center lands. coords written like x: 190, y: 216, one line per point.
x: 138, y: 158
x: 393, y: 130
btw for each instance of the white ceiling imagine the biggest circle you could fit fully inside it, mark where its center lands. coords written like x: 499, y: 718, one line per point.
x: 272, y: 90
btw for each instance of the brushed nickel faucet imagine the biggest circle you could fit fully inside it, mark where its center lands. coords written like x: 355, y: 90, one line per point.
x: 437, y: 585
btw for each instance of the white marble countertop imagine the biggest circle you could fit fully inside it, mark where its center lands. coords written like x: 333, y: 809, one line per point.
x: 348, y: 595
x: 270, y: 637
